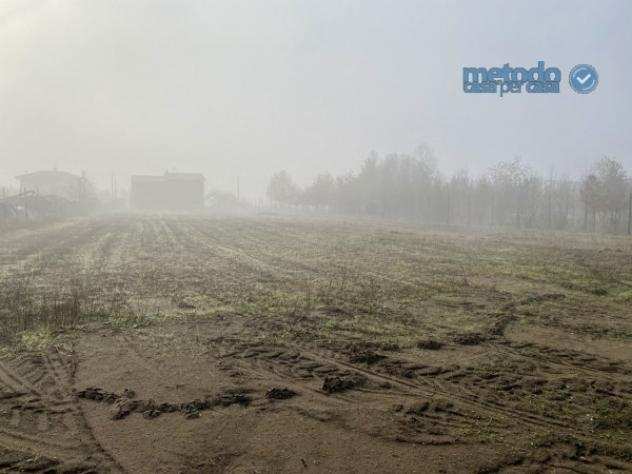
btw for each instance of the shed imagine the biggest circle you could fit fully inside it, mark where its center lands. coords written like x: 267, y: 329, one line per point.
x: 169, y: 192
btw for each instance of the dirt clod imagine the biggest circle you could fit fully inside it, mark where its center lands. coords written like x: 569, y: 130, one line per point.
x: 418, y: 408
x: 538, y: 298
x: 429, y: 344
x: 335, y: 384
x: 98, y: 395
x: 368, y: 357
x: 469, y: 339
x: 280, y: 393
x: 185, y: 305
x: 149, y: 414
x: 125, y: 406
x: 232, y: 399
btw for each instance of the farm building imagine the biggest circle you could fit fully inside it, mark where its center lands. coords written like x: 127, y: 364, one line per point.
x: 56, y: 183
x: 170, y: 192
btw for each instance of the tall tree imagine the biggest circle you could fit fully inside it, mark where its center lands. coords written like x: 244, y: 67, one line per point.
x: 282, y: 189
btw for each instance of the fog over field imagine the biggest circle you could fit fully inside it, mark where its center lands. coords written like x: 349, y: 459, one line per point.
x: 315, y: 236
x: 246, y: 88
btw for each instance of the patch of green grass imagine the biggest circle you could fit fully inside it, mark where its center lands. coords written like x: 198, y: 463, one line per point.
x: 133, y: 321
x: 35, y: 340
x: 625, y: 296
x: 612, y: 414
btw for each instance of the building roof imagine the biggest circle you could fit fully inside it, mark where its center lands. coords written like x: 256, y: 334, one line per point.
x: 138, y: 178
x: 185, y: 176
x: 48, y: 175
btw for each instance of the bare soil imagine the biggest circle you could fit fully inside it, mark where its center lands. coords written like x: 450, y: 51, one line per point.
x: 266, y: 345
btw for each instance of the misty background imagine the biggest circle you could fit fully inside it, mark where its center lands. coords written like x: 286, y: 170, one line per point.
x: 246, y: 88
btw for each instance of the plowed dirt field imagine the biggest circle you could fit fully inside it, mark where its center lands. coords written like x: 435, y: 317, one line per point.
x: 200, y: 344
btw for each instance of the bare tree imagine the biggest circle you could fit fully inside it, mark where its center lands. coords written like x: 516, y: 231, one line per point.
x: 282, y: 189
x: 409, y: 186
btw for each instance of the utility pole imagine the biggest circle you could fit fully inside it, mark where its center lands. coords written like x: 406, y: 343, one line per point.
x: 491, y: 219
x: 237, y: 188
x: 549, y: 214
x: 449, y: 204
x: 469, y: 207
x: 630, y: 215
x: 549, y: 200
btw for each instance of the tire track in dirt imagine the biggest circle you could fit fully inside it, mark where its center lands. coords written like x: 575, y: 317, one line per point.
x: 226, y: 240
x: 225, y: 244
x: 91, y: 444
x: 331, y: 268
x: 122, y: 268
x: 49, y: 421
x: 10, y: 379
x: 231, y: 252
x: 330, y: 250
x: 571, y: 359
x: 303, y: 370
x: 218, y: 269
x: 194, y: 254
x: 251, y: 241
x: 36, y: 445
x: 474, y: 401
x: 299, y: 365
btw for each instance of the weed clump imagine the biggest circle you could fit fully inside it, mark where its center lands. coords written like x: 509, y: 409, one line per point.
x: 469, y: 339
x: 367, y: 357
x: 429, y: 344
x: 612, y: 414
x: 280, y: 393
x: 336, y: 384
x: 34, y: 314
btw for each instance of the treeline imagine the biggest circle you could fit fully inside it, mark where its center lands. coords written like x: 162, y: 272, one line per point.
x: 409, y: 186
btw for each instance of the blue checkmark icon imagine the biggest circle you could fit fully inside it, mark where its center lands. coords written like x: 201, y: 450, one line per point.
x: 583, y: 78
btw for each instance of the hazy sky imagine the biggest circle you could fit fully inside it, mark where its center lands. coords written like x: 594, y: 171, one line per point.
x: 244, y: 88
